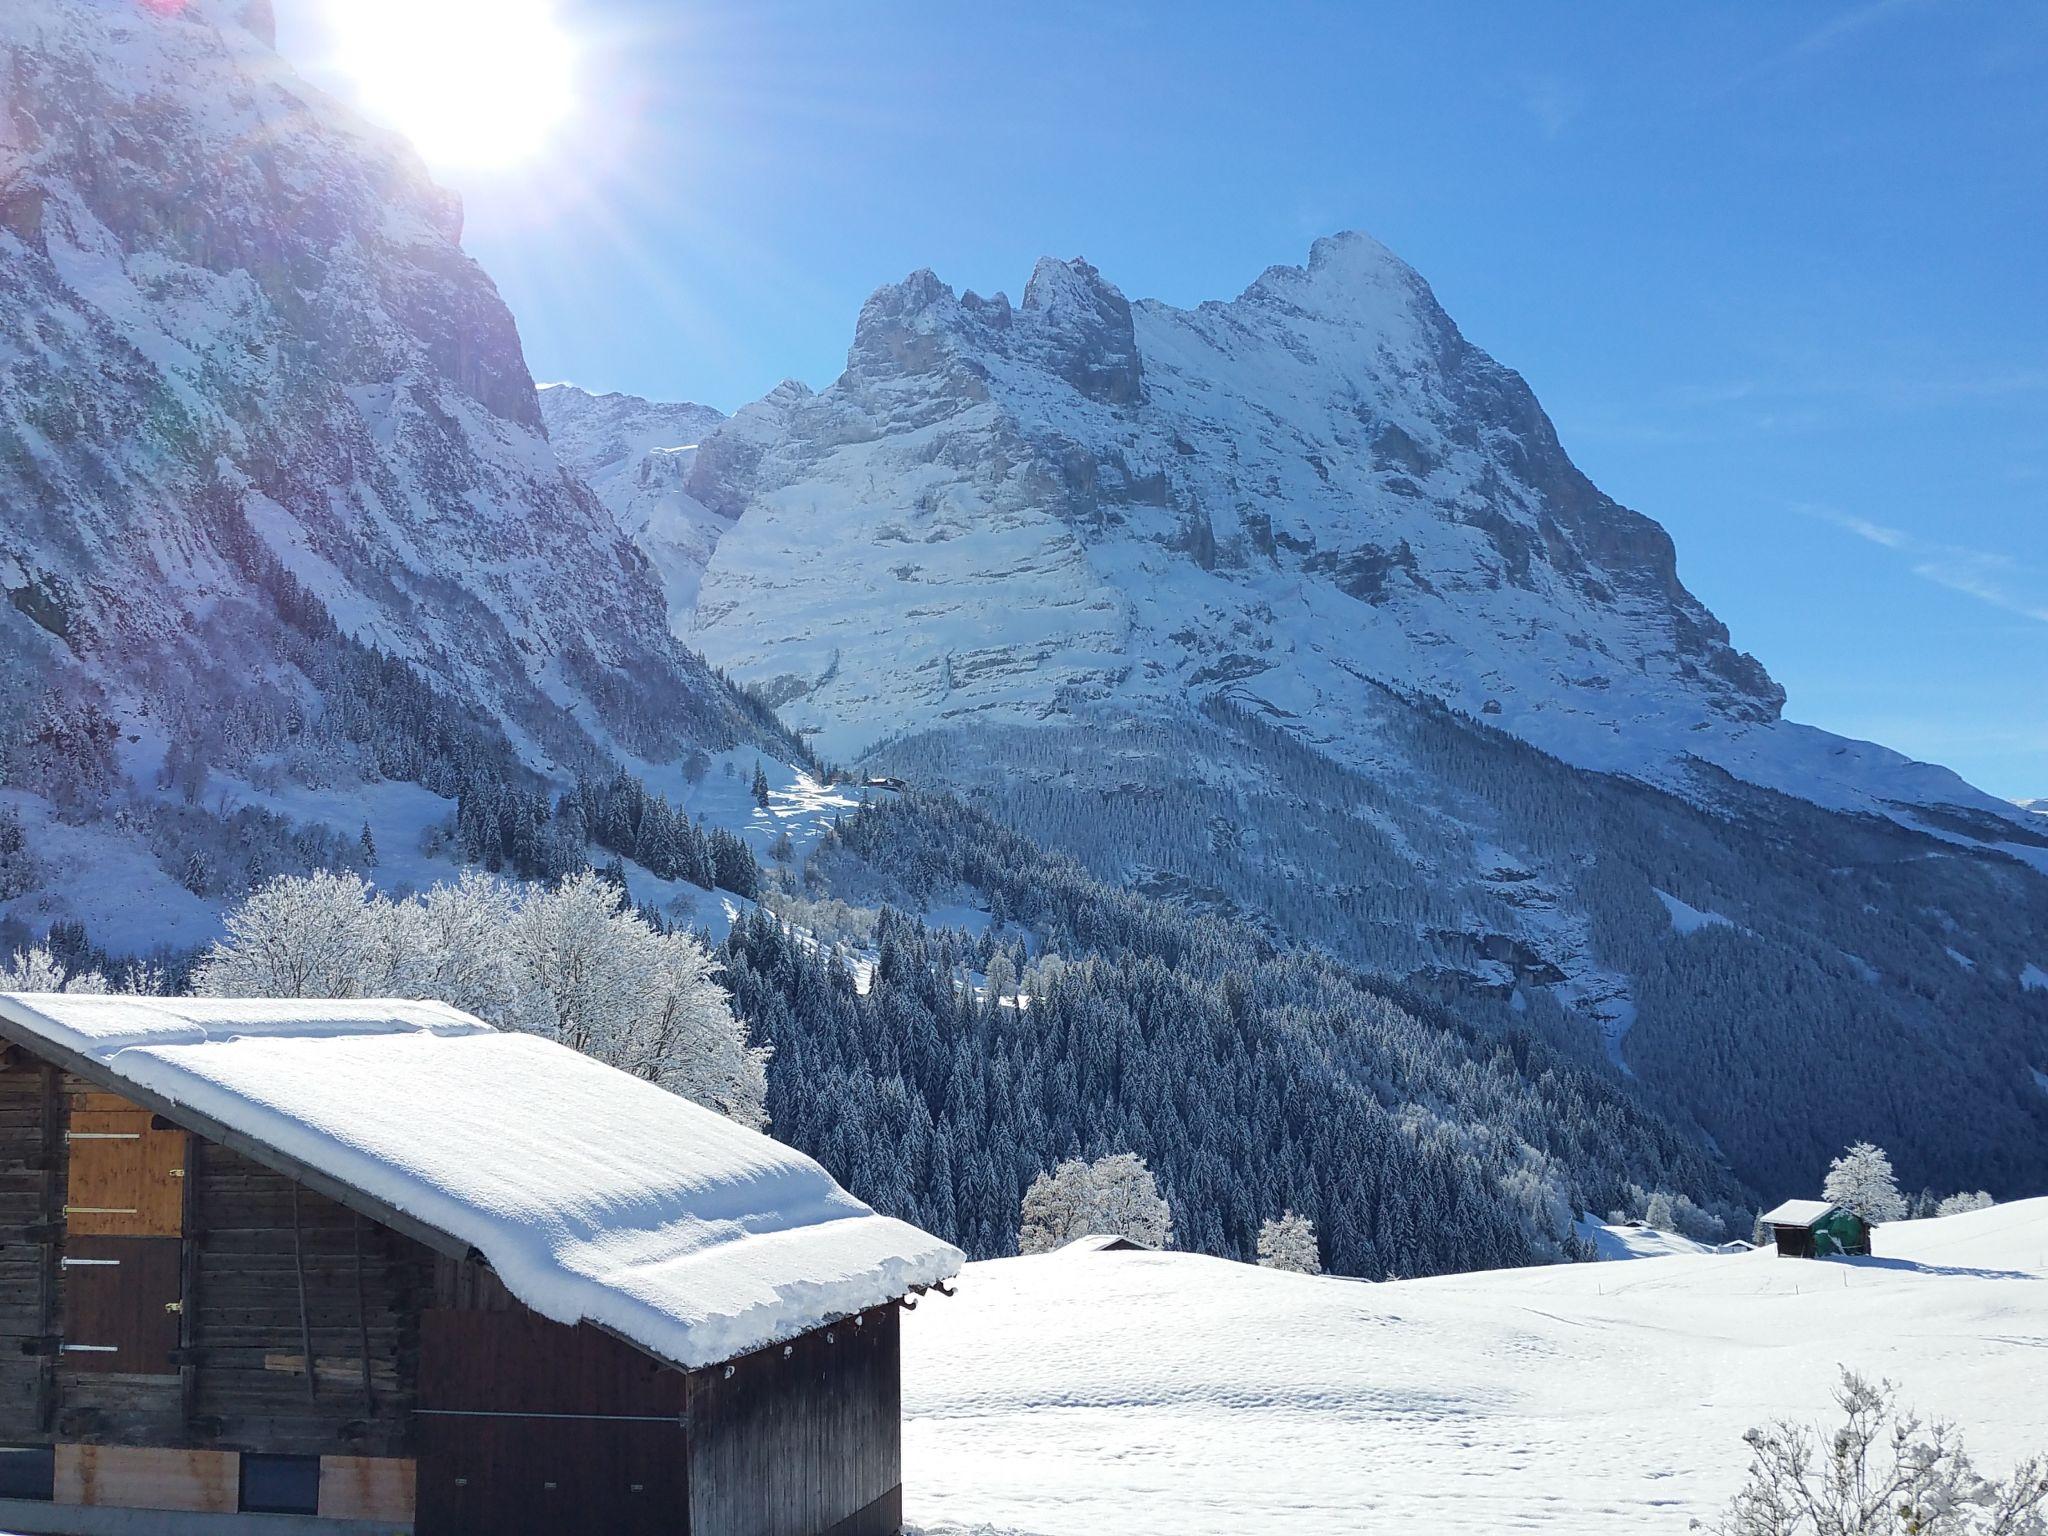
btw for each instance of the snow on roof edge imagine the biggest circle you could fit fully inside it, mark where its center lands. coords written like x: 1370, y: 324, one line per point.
x: 1799, y: 1213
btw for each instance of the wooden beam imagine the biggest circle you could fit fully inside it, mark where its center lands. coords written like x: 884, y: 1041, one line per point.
x: 52, y: 1222
x: 305, y: 1318
x: 188, y: 1290
x: 362, y: 1314
x: 98, y: 1073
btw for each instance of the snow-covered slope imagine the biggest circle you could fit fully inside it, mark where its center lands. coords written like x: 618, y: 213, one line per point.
x: 1294, y: 608
x: 270, y: 456
x: 1166, y: 1393
x: 1003, y: 511
x: 637, y: 456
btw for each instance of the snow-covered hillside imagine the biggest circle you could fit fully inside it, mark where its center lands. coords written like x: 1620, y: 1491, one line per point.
x: 637, y: 456
x: 1164, y: 1393
x: 1003, y: 511
x: 283, y: 526
x: 1294, y: 609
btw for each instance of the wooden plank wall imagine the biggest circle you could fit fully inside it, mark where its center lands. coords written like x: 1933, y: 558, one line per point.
x: 531, y: 1428
x: 23, y: 1197
x: 251, y: 1377
x: 247, y: 1387
x: 804, y: 1441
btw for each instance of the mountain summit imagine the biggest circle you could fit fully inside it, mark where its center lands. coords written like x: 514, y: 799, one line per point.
x: 1295, y: 609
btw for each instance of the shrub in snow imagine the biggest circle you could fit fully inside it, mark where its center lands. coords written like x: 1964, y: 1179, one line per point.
x: 1115, y: 1194
x: 1957, y: 1204
x: 569, y: 962
x: 1288, y: 1242
x: 1860, y: 1180
x: 1883, y: 1473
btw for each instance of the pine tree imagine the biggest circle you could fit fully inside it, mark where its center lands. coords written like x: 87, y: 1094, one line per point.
x: 369, y: 847
x: 760, y: 785
x: 1860, y: 1180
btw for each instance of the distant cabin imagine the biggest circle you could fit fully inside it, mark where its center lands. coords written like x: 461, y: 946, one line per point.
x: 1105, y: 1242
x: 376, y: 1267
x: 1814, y: 1229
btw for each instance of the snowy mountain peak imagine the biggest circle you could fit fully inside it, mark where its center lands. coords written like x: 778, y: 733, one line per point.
x: 1084, y: 331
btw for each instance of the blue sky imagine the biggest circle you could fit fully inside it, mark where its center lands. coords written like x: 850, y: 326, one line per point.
x: 1778, y: 270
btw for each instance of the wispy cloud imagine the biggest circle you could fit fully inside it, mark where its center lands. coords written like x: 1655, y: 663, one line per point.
x: 1823, y: 39
x: 1990, y: 576
x: 1554, y: 102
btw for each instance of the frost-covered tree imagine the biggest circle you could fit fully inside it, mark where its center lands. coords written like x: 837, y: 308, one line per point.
x: 1128, y: 1202
x: 1002, y: 977
x: 570, y: 962
x: 1659, y: 1214
x: 316, y: 935
x: 1882, y: 1473
x: 1288, y: 1242
x: 1861, y: 1180
x: 1056, y: 1208
x: 760, y: 785
x: 1964, y: 1202
x: 1114, y: 1195
x: 39, y: 970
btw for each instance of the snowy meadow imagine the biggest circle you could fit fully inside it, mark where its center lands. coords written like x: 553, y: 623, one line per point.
x: 1141, y: 1393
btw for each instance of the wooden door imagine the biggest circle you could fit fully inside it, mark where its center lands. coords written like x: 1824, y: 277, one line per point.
x: 121, y: 1298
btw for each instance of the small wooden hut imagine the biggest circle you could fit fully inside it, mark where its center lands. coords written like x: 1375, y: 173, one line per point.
x: 1814, y: 1229
x: 379, y: 1268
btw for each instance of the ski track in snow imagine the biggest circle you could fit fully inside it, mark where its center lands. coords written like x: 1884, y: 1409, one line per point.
x: 1167, y: 1393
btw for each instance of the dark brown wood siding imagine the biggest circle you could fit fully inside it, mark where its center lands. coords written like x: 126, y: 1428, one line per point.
x: 30, y: 1186
x: 802, y: 1439
x: 531, y: 1428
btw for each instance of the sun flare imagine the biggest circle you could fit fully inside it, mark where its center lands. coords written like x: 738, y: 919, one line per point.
x: 473, y: 83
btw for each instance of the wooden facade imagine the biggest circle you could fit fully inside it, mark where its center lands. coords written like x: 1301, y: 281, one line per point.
x: 185, y: 1327
x: 1841, y: 1233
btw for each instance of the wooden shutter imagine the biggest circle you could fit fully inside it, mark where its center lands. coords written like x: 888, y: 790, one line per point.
x: 127, y: 1178
x: 121, y: 1304
x: 124, y: 1218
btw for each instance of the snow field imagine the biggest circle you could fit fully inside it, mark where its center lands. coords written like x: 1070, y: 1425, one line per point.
x: 1077, y: 1394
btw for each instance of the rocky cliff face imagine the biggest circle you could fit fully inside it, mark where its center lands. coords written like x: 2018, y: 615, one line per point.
x: 261, y: 415
x: 1290, y: 500
x: 1262, y: 606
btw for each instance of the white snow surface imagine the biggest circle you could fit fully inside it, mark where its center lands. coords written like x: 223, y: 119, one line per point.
x: 1626, y: 1242
x: 1168, y: 1394
x: 2033, y: 979
x: 1688, y: 919
x: 595, y: 1196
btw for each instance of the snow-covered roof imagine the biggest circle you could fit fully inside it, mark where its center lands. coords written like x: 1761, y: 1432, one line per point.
x: 1798, y: 1213
x: 1101, y: 1242
x: 594, y: 1196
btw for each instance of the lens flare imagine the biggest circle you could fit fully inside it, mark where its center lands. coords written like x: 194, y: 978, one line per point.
x: 473, y: 83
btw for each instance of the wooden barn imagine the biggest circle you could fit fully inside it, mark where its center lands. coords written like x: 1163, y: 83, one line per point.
x: 379, y: 1268
x: 1814, y: 1229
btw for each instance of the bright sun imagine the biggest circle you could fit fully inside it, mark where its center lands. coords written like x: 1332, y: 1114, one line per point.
x: 473, y: 83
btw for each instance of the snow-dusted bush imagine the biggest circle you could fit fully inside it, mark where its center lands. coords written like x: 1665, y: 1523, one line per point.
x: 1288, y: 1242
x: 1860, y: 1180
x: 1883, y: 1473
x: 569, y: 962
x: 1964, y: 1201
x: 39, y: 970
x: 1115, y: 1194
